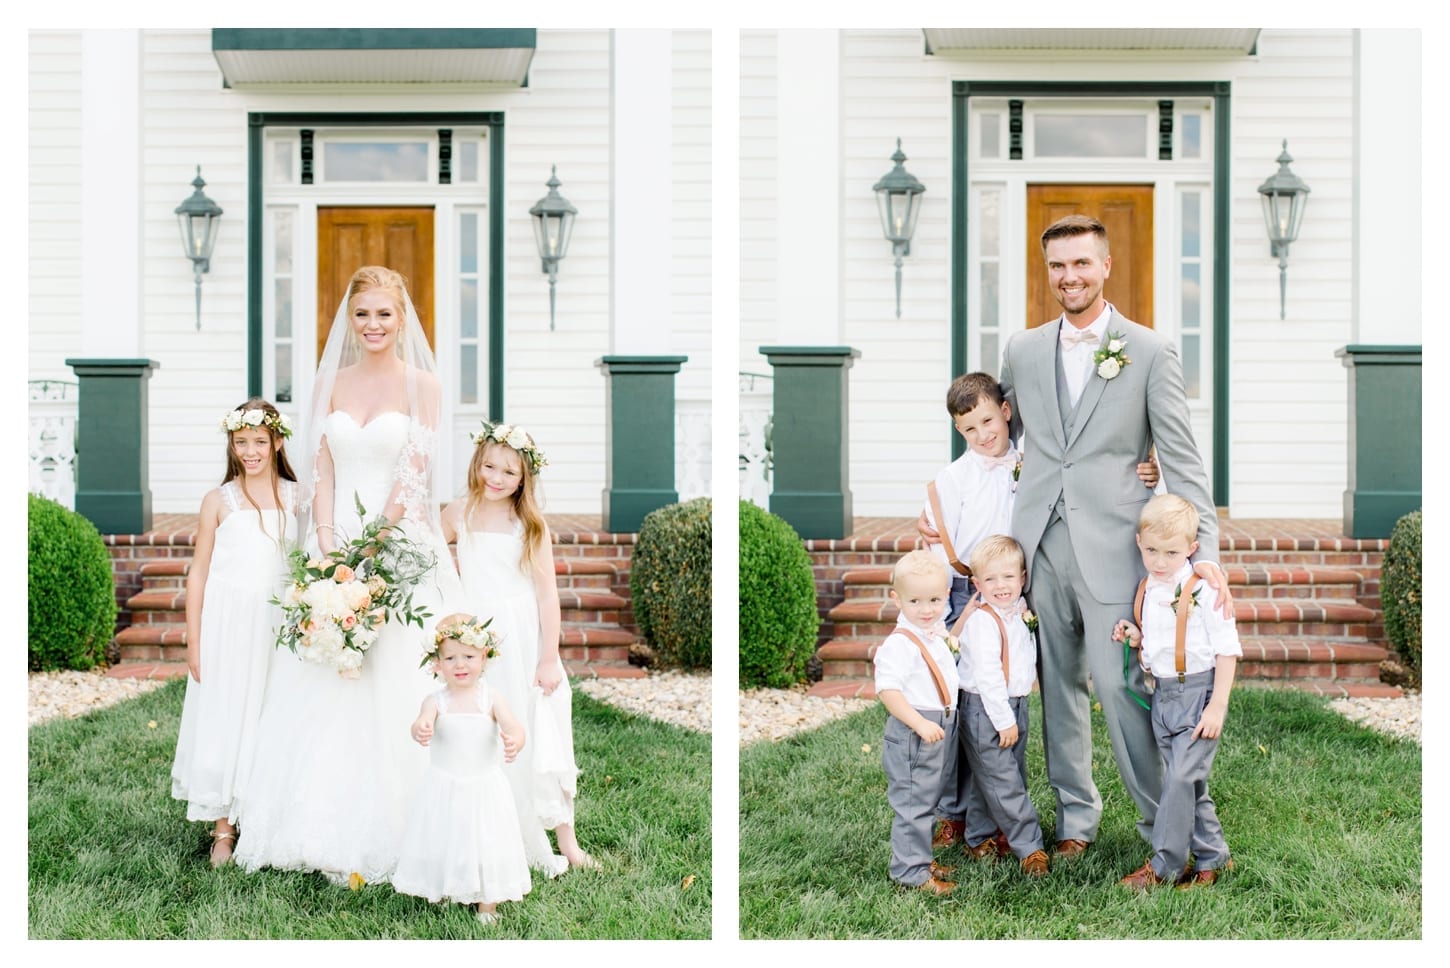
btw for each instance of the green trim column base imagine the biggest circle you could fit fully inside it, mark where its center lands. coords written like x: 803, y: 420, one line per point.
x: 810, y: 480
x: 112, y: 481
x: 1385, y: 480
x: 639, y: 438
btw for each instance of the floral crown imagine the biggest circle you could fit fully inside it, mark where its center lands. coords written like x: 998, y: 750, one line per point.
x: 466, y: 629
x: 511, y: 435
x: 241, y: 419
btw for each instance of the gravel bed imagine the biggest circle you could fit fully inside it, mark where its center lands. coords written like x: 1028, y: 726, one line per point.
x: 677, y: 698
x: 1398, y: 717
x: 773, y: 714
x: 70, y: 694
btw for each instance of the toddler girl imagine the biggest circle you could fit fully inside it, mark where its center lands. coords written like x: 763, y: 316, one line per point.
x: 506, y: 561
x: 238, y: 565
x: 462, y: 841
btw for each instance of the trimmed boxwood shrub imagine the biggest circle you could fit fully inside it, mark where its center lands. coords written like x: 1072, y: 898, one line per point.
x: 1401, y: 591
x: 72, y: 590
x: 669, y: 583
x: 778, y: 618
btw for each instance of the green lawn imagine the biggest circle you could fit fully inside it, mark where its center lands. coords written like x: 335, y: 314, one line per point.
x: 1322, y: 816
x: 112, y: 855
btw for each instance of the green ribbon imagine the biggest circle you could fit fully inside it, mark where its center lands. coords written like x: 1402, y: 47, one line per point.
x: 1127, y: 658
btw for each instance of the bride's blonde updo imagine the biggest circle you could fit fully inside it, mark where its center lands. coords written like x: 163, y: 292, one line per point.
x: 377, y: 277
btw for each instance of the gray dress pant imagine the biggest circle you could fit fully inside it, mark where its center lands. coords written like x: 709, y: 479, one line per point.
x: 999, y: 776
x: 913, y: 785
x: 1187, y: 820
x: 957, y: 802
x: 1074, y: 641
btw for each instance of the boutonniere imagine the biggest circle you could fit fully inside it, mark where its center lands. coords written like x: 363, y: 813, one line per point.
x: 1111, y: 359
x: 953, y: 646
x: 1178, y: 593
x: 1030, y: 620
x: 1017, y: 471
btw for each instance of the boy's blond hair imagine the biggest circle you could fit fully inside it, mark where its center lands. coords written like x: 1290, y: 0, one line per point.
x: 990, y: 548
x: 920, y: 562
x: 1171, y: 516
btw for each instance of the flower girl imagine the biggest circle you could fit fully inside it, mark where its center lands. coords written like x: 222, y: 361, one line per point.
x: 506, y: 561
x: 239, y: 564
x: 462, y: 840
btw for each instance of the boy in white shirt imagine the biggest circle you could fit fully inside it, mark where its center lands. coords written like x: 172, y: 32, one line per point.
x: 916, y: 680
x: 1192, y: 652
x: 997, y: 666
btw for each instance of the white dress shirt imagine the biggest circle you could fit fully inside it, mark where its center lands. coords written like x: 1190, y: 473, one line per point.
x: 899, y: 666
x: 980, y: 664
x: 976, y: 500
x: 1077, y: 359
x: 1209, y: 634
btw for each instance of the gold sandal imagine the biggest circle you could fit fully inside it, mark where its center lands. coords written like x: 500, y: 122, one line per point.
x: 217, y: 838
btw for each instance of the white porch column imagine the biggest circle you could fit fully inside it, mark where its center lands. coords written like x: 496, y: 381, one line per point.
x: 111, y: 203
x: 1387, y: 188
x: 808, y: 189
x: 640, y: 196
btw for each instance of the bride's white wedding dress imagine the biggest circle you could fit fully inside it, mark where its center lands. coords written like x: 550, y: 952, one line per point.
x: 335, y: 766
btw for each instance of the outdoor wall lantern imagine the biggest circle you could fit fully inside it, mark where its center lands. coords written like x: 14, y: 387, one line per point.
x: 898, y: 196
x: 200, y: 218
x: 553, y: 224
x: 1284, y: 195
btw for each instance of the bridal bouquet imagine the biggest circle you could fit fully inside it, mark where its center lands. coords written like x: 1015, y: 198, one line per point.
x: 335, y: 606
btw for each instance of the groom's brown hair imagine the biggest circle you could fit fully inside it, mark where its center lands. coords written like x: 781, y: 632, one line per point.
x: 1070, y: 225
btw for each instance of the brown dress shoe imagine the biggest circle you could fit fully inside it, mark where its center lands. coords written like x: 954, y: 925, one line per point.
x: 1004, y: 849
x: 1142, y: 878
x: 986, y: 850
x: 941, y: 871
x: 937, y: 886
x: 1070, y: 847
x: 1192, y: 878
x: 948, y: 833
x: 1035, y: 864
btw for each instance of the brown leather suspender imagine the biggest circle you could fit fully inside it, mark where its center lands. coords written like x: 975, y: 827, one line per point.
x: 973, y: 606
x: 1185, y: 605
x: 944, y: 531
x: 936, y: 676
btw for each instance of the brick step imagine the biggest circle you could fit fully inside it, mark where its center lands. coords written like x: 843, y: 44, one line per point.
x: 1264, y: 658
x: 857, y: 689
x: 170, y: 573
x: 1245, y: 581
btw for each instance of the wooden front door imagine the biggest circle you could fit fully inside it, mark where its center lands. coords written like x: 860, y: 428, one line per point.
x: 1127, y: 213
x: 348, y: 238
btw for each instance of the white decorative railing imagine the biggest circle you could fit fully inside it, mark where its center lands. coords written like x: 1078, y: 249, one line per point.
x: 53, y: 440
x: 755, y: 458
x: 692, y: 448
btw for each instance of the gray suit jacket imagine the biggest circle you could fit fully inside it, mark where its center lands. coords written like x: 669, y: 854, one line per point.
x: 1094, y: 470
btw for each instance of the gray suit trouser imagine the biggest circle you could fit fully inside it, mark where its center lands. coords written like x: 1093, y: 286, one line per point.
x: 1187, y: 820
x: 913, y: 784
x: 1074, y: 641
x: 958, y: 801
x: 999, y: 776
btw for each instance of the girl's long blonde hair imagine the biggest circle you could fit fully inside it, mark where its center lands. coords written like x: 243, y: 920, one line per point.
x: 525, y: 501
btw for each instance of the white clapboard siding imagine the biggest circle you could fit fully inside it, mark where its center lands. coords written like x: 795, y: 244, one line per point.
x: 1287, y: 398
x: 54, y: 303
x: 562, y: 118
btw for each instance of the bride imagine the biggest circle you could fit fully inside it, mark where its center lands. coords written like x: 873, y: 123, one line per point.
x: 335, y: 765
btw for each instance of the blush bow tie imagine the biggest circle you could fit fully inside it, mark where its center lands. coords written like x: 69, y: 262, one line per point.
x: 1070, y: 337
x: 1008, y: 460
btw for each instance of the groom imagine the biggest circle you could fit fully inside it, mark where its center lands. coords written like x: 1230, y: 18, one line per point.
x: 1076, y: 513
